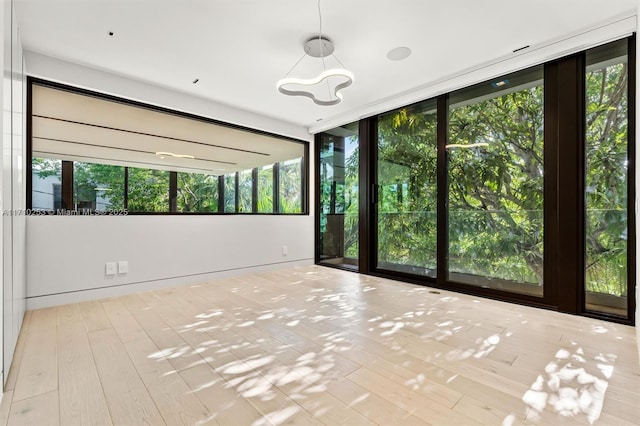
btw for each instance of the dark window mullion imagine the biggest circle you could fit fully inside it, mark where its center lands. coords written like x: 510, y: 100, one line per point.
x: 221, y: 194
x: 254, y: 190
x: 304, y: 185
x: 276, y: 188
x: 443, y: 187
x: 631, y: 194
x: 125, y: 201
x: 571, y: 182
x: 367, y: 229
x: 237, y: 191
x: 173, y: 192
x: 67, y: 185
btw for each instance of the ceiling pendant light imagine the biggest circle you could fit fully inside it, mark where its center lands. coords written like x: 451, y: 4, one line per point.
x: 323, y: 89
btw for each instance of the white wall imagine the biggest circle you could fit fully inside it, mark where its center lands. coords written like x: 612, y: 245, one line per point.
x: 12, y: 184
x: 67, y: 255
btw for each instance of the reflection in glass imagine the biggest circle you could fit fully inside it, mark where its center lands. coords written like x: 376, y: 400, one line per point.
x: 265, y: 189
x: 338, y: 210
x: 291, y: 186
x: 495, y: 191
x: 197, y: 192
x: 407, y: 190
x: 98, y: 187
x: 148, y: 190
x: 46, y: 184
x: 607, y: 178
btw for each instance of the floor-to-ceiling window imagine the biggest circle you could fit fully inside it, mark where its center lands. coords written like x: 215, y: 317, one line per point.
x: 496, y: 176
x: 338, y: 197
x: 519, y: 188
x: 407, y: 190
x: 607, y: 178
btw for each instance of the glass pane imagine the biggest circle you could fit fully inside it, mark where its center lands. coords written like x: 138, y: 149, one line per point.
x: 495, y: 171
x: 46, y: 184
x: 265, y: 189
x: 607, y: 178
x: 98, y: 187
x: 218, y: 150
x: 148, y: 190
x: 407, y: 190
x: 230, y: 193
x: 339, y: 159
x: 197, y: 192
x: 291, y: 186
x: 245, y: 186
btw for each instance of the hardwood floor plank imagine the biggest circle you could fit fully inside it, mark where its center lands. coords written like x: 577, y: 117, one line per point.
x: 123, y: 323
x: 224, y: 404
x: 421, y: 404
x: 38, y: 372
x: 372, y: 406
x: 5, y: 406
x: 94, y: 316
x: 82, y: 399
x: 68, y: 314
x: 128, y: 400
x: 172, y: 396
x: 38, y: 410
x: 43, y: 319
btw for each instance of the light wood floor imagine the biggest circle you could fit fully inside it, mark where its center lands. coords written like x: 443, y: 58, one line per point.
x: 315, y: 345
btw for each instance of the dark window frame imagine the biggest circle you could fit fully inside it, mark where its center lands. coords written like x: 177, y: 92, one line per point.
x: 67, y: 186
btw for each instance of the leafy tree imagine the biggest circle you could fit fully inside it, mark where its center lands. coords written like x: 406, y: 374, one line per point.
x: 245, y: 186
x: 197, y: 192
x: 92, y: 182
x: 148, y: 190
x: 407, y: 188
x: 265, y: 189
x: 290, y: 174
x: 606, y: 183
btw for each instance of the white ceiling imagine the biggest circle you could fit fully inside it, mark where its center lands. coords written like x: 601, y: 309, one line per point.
x: 239, y: 49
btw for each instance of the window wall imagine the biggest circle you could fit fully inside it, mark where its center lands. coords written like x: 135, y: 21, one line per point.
x: 93, y: 154
x: 519, y: 188
x: 338, y: 234
x: 607, y: 178
x: 495, y: 155
x: 407, y: 190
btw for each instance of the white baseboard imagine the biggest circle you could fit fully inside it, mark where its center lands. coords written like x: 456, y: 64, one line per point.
x: 45, y: 301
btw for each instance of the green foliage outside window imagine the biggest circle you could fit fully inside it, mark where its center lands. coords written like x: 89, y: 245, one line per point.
x: 606, y: 183
x: 197, y: 192
x: 148, y: 190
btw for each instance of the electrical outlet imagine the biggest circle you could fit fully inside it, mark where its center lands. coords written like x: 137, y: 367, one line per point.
x: 123, y: 267
x: 110, y: 268
x: 285, y: 250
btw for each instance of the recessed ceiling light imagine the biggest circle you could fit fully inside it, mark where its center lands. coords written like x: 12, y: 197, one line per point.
x: 500, y: 83
x: 399, y: 53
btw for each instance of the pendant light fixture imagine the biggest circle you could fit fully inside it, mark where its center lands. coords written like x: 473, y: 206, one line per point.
x: 324, y: 88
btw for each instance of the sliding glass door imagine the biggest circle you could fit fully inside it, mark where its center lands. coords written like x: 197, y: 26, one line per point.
x: 407, y: 190
x: 338, y: 197
x: 495, y: 184
x: 607, y: 179
x: 516, y: 188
